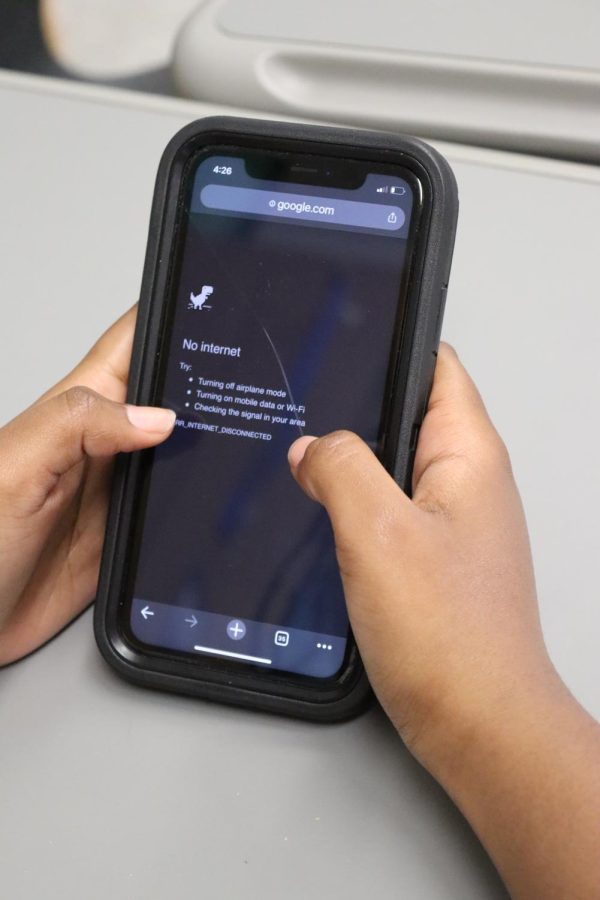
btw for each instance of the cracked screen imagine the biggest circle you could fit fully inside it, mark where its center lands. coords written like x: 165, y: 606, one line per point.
x: 284, y: 307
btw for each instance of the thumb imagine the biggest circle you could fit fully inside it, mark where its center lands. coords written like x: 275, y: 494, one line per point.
x: 50, y: 438
x: 344, y: 475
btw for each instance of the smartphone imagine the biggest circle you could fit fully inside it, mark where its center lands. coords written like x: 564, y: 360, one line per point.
x: 294, y: 284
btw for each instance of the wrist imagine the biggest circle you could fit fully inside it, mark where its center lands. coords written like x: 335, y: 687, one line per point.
x: 461, y: 726
x: 519, y: 763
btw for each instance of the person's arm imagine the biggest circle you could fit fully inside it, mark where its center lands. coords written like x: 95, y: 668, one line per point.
x: 55, y: 463
x: 441, y: 595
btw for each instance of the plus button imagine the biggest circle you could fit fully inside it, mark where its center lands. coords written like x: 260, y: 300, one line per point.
x: 236, y: 630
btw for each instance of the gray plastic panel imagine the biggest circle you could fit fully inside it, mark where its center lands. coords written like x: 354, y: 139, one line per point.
x: 517, y: 75
x: 532, y: 32
x: 112, y: 791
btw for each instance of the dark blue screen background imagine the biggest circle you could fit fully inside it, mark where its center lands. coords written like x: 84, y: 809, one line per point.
x: 312, y: 310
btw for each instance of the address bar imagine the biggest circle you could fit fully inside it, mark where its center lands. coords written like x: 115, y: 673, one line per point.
x: 299, y: 206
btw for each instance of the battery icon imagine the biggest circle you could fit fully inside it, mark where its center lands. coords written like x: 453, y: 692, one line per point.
x: 397, y: 189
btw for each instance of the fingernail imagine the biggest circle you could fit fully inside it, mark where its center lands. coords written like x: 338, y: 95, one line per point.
x: 150, y: 418
x: 298, y: 449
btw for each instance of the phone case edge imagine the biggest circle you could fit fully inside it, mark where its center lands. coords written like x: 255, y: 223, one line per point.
x: 420, y: 368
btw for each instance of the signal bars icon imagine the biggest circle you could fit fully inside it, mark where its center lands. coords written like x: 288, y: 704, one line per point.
x: 383, y: 190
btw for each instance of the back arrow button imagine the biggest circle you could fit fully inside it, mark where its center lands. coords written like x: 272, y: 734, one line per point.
x: 146, y: 611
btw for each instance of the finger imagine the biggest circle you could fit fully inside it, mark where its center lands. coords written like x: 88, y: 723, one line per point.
x: 50, y: 438
x: 105, y: 367
x: 458, y: 444
x: 112, y: 351
x: 341, y: 472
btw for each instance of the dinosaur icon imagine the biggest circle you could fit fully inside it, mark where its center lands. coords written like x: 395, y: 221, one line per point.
x: 198, y: 301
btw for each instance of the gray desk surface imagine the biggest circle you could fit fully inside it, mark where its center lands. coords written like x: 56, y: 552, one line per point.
x: 111, y: 791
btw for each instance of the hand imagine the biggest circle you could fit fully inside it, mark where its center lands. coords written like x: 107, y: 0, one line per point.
x: 440, y: 588
x: 55, y: 463
x: 441, y: 596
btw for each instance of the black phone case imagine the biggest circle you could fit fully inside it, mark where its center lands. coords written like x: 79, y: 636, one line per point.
x: 425, y: 306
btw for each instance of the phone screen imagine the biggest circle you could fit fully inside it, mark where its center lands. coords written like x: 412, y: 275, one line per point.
x: 286, y: 299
